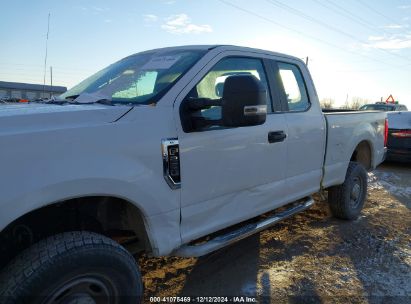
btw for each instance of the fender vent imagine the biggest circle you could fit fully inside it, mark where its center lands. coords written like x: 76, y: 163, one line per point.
x: 171, y: 162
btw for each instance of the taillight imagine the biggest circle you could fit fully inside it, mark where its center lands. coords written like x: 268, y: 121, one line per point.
x: 386, y: 132
x: 401, y: 133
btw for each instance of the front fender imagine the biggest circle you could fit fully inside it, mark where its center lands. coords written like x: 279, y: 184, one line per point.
x: 121, y: 159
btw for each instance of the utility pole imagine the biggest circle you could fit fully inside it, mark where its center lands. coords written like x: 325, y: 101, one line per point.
x: 45, y: 57
x: 306, y: 61
x: 51, y: 81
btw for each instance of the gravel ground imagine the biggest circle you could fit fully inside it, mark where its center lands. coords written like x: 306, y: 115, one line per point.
x: 310, y: 257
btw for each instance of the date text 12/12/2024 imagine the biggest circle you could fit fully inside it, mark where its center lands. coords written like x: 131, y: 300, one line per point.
x: 203, y: 299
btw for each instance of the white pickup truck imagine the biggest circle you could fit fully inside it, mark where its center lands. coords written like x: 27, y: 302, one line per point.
x: 174, y: 151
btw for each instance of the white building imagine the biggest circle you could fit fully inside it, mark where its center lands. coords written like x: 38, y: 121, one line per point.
x: 28, y: 90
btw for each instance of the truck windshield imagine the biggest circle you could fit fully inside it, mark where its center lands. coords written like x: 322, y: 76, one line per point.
x: 139, y: 79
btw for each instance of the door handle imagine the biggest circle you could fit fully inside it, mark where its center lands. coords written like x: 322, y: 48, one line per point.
x: 276, y: 136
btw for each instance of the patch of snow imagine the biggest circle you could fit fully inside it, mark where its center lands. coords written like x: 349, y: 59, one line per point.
x: 388, y: 181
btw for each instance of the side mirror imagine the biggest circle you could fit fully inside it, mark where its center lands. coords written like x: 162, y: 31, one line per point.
x: 244, y: 101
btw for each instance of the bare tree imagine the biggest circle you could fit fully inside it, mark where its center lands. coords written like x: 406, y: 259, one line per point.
x: 327, y: 103
x: 355, y: 103
x: 346, y: 105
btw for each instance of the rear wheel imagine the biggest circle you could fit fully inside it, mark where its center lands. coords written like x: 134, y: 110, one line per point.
x: 72, y: 267
x: 347, y: 200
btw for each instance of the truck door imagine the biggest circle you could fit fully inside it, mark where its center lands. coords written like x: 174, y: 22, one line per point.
x: 228, y: 174
x: 306, y: 127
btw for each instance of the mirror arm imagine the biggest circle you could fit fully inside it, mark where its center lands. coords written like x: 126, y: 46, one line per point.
x: 196, y: 104
x: 200, y: 122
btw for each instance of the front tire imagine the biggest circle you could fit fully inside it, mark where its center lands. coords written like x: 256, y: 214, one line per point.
x: 347, y: 200
x: 72, y: 267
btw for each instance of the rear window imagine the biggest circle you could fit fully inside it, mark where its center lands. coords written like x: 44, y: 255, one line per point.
x: 294, y: 87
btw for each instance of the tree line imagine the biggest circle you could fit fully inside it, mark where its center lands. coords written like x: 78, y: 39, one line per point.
x: 353, y: 104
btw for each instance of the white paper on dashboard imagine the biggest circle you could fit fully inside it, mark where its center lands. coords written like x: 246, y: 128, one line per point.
x: 161, y: 62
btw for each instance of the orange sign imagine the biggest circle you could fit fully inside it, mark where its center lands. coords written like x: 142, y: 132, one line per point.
x: 390, y: 99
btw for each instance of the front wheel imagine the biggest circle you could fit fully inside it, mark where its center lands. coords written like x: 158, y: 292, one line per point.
x: 72, y: 267
x: 347, y: 200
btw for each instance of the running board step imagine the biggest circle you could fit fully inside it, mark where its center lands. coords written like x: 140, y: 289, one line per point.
x: 241, y: 233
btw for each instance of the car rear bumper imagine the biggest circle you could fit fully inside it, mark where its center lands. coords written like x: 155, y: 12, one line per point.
x: 403, y: 155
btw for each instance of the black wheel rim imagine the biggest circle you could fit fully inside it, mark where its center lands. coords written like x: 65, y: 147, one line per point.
x: 356, y: 193
x: 86, y: 289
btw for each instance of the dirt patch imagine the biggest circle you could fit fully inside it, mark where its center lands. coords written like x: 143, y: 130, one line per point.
x: 308, y: 258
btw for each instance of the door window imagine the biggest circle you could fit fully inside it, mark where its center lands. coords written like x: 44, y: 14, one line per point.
x: 212, y: 84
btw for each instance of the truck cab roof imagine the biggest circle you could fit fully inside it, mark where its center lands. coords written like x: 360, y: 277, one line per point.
x: 381, y: 106
x: 220, y: 47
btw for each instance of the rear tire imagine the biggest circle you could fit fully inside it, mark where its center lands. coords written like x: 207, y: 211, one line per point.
x: 347, y: 200
x: 72, y: 267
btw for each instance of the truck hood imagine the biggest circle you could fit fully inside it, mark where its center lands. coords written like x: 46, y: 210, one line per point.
x: 20, y: 117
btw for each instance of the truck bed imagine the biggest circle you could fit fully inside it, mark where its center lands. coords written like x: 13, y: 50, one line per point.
x: 345, y: 129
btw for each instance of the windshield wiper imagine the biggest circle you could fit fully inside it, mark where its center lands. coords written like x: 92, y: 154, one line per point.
x: 104, y: 101
x: 72, y: 97
x: 89, y: 98
x: 84, y: 98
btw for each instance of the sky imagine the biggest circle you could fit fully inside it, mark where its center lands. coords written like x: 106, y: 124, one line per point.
x: 355, y: 48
